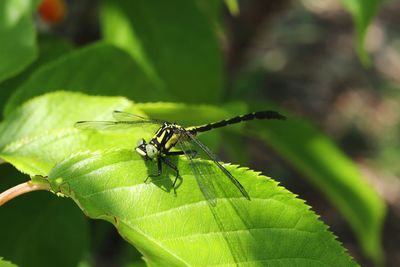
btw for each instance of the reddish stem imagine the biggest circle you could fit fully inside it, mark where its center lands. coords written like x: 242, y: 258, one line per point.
x: 21, y: 189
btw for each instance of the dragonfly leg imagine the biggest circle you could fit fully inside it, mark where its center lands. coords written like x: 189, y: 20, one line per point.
x: 159, y: 166
x: 174, y: 153
x: 172, y: 166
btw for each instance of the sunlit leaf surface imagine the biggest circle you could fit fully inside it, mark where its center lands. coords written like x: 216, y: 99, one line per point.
x: 274, y: 228
x: 41, y: 132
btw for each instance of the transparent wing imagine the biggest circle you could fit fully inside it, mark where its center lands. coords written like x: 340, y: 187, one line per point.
x: 122, y: 116
x: 201, y: 171
x: 111, y: 125
x: 213, y: 157
x: 123, y: 120
x: 211, y: 187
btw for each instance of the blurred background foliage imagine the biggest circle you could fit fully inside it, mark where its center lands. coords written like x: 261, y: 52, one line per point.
x: 316, y: 61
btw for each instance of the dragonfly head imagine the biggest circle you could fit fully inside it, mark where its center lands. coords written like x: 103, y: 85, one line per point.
x: 148, y: 151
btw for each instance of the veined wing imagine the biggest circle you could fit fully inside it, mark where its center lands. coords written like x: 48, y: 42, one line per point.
x: 122, y: 116
x: 123, y: 120
x: 213, y: 157
x: 111, y: 125
x: 201, y: 172
x: 210, y: 186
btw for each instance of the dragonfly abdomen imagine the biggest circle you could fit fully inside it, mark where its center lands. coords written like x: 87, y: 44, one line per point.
x: 260, y: 115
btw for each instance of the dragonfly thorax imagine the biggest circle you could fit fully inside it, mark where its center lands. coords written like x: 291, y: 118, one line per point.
x: 163, y: 140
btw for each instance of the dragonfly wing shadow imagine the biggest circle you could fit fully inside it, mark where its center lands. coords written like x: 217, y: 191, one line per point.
x: 201, y: 171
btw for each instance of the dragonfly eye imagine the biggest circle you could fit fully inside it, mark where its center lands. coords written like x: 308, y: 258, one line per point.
x: 140, y: 142
x: 151, y: 151
x: 141, y: 147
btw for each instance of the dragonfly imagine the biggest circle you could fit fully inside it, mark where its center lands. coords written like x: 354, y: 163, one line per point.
x: 171, y: 139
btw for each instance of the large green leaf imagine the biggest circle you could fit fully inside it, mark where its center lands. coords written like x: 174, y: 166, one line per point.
x: 40, y: 230
x: 319, y: 159
x: 181, y: 229
x: 98, y: 69
x: 363, y: 11
x: 35, y: 150
x: 17, y: 36
x: 273, y: 228
x: 172, y: 40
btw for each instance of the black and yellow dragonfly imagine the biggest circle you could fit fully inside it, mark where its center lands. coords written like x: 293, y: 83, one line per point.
x: 170, y: 135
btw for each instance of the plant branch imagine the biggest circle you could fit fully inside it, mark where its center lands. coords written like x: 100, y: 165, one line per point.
x: 21, y: 189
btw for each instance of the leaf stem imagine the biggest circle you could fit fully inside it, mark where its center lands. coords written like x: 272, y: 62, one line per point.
x: 20, y: 190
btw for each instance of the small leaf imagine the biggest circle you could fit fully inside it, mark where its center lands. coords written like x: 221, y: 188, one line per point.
x: 176, y: 47
x: 182, y: 229
x: 17, y: 36
x: 107, y: 70
x: 49, y: 49
x: 4, y: 263
x: 233, y: 7
x: 363, y: 11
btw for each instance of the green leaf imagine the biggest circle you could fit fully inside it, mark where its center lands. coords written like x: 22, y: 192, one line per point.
x: 4, y: 263
x: 40, y: 229
x: 233, y: 7
x: 343, y: 184
x: 49, y: 49
x: 363, y: 11
x: 176, y: 47
x: 175, y: 230
x: 41, y: 132
x: 273, y: 227
x: 107, y: 70
x: 319, y: 159
x: 17, y: 36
